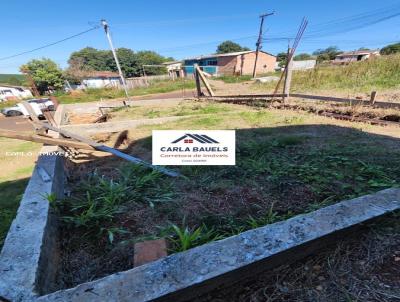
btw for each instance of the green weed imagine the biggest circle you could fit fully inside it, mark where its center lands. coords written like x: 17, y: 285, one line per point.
x: 184, y: 238
x: 98, y: 199
x: 270, y: 217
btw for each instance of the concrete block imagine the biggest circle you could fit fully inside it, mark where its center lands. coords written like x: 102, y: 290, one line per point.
x: 149, y: 251
x: 182, y: 276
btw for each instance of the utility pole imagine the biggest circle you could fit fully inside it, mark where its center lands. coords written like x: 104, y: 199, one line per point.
x: 288, y: 75
x: 121, y: 75
x: 259, y: 41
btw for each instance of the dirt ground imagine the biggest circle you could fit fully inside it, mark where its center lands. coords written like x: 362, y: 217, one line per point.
x: 16, y: 123
x: 363, y: 267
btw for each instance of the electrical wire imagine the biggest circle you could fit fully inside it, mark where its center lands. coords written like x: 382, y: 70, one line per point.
x: 346, y: 24
x: 326, y: 29
x: 50, y: 44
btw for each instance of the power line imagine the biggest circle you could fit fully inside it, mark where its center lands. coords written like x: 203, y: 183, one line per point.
x: 341, y: 25
x: 50, y: 44
x: 347, y: 24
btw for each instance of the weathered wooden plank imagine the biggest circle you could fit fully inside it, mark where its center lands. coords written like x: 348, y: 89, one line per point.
x: 247, y: 96
x: 32, y: 113
x: 197, y: 79
x: 44, y: 139
x: 205, y: 81
x: 118, y: 153
x: 344, y: 100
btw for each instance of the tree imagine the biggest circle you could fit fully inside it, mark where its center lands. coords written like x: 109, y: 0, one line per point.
x: 148, y: 57
x: 391, y: 49
x: 45, y: 73
x: 91, y: 59
x: 302, y: 57
x: 76, y: 71
x: 327, y: 54
x: 229, y: 46
x: 282, y: 58
x: 129, y: 62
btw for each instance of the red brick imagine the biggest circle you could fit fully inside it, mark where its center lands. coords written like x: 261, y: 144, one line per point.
x: 149, y: 251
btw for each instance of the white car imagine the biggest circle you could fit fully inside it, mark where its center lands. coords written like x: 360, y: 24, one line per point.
x: 38, y: 105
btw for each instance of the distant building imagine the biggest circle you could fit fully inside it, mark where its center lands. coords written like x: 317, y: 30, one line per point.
x: 174, y: 69
x: 304, y: 65
x: 299, y: 65
x: 8, y: 92
x: 101, y: 79
x: 354, y: 56
x: 234, y: 63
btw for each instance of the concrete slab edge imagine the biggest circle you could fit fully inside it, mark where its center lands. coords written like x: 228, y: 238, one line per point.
x: 182, y: 276
x: 120, y: 125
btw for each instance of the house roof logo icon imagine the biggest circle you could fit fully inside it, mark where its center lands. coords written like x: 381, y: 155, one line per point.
x: 201, y: 138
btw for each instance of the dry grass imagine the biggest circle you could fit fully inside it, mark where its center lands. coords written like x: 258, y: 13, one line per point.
x: 363, y: 267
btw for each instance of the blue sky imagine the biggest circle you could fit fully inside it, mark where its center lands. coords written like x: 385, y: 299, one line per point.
x: 181, y: 28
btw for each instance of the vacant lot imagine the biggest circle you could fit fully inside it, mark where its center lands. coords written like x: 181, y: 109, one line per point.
x: 17, y: 159
x: 287, y: 163
x: 358, y: 79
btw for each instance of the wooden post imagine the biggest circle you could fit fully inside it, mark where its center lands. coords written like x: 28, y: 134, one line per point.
x: 373, y: 96
x: 204, y: 80
x: 44, y: 139
x: 197, y: 78
x: 288, y: 76
x: 32, y: 113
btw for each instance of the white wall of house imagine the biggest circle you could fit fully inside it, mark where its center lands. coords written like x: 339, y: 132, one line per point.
x: 101, y: 82
x: 300, y: 65
x: 304, y: 65
x: 7, y: 92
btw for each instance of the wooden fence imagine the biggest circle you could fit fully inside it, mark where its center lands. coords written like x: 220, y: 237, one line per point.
x: 144, y: 81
